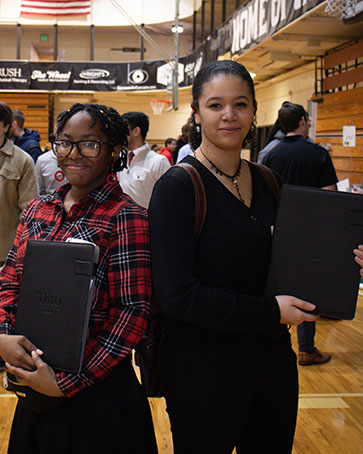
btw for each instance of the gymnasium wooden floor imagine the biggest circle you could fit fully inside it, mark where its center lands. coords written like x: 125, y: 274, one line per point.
x: 331, y: 396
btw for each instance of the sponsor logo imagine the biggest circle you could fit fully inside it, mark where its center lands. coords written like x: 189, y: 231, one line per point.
x: 10, y: 72
x: 50, y: 76
x: 138, y: 76
x: 164, y: 74
x: 94, y: 73
x: 49, y: 303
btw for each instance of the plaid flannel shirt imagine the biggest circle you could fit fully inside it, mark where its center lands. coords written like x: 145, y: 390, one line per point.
x: 121, y: 303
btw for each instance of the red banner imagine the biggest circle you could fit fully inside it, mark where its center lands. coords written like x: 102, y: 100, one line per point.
x: 55, y: 7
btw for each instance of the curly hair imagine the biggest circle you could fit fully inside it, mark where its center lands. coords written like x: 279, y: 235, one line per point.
x: 111, y: 122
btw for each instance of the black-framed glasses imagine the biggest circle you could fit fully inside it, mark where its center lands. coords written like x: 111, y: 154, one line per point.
x: 86, y: 148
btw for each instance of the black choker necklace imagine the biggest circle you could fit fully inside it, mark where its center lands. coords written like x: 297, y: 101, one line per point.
x: 232, y: 178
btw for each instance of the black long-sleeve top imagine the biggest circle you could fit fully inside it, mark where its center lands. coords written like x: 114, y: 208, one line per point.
x: 214, y: 284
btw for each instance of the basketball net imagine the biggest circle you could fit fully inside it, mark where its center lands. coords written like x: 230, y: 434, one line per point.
x: 341, y: 8
x: 158, y: 105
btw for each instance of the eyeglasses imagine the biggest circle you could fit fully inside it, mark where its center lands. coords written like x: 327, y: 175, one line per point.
x: 86, y: 148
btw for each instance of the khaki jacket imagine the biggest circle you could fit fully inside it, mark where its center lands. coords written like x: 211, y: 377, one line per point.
x: 18, y: 185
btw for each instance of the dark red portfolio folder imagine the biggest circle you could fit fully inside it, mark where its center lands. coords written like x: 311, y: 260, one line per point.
x: 312, y: 249
x: 55, y: 300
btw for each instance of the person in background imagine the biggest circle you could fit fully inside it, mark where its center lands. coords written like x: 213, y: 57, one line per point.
x: 49, y: 175
x: 186, y: 150
x: 105, y: 408
x: 274, y: 138
x: 302, y: 162
x: 154, y: 147
x: 168, y: 149
x: 26, y: 139
x: 18, y: 183
x: 145, y: 167
x: 183, y: 139
x: 228, y: 371
x: 48, y: 145
x: 327, y: 146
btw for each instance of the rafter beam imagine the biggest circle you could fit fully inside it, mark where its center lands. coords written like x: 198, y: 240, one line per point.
x: 306, y: 37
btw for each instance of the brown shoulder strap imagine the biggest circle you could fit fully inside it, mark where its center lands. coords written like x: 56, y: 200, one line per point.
x: 270, y: 179
x: 200, y: 196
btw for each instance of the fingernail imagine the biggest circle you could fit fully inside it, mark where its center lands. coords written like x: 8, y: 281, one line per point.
x: 40, y: 352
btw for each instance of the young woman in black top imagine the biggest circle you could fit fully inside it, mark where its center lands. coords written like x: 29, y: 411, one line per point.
x: 227, y: 366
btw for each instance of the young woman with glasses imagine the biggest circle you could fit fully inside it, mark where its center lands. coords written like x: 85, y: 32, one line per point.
x: 103, y: 408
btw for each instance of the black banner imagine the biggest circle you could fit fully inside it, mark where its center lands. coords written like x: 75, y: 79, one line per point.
x: 14, y: 75
x: 258, y: 19
x: 50, y: 76
x: 250, y: 24
x: 95, y: 76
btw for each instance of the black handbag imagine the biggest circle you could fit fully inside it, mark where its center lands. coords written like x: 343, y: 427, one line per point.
x: 148, y: 349
x: 30, y: 399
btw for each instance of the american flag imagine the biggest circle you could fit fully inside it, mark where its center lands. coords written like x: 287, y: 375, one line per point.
x: 55, y: 7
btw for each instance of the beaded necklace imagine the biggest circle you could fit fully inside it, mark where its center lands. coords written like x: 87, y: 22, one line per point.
x: 232, y: 178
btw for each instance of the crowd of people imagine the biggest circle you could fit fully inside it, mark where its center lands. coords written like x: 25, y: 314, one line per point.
x: 228, y: 369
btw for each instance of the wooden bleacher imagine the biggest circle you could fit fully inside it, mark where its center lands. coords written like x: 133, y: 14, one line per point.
x: 35, y: 107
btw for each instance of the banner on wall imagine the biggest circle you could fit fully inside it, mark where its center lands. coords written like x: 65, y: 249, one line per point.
x: 94, y: 76
x: 250, y: 24
x: 14, y: 75
x: 63, y: 76
x: 50, y: 76
x: 259, y: 19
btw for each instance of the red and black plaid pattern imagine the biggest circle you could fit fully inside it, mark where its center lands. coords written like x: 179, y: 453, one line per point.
x: 121, y: 302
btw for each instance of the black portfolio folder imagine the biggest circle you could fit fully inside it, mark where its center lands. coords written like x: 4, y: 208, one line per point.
x: 312, y: 249
x: 55, y: 300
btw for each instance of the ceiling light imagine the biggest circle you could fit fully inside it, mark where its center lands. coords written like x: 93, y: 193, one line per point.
x: 253, y: 75
x: 180, y: 29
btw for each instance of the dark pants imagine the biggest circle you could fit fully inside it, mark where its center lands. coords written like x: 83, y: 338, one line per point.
x: 221, y: 395
x: 112, y: 416
x: 305, y: 336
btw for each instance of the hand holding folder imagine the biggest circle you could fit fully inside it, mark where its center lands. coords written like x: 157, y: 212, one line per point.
x: 55, y: 299
x: 312, y: 255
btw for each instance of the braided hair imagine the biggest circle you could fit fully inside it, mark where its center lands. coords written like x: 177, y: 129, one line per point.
x: 111, y: 122
x: 205, y: 75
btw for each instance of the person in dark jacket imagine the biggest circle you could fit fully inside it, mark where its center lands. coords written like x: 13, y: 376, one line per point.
x: 27, y: 139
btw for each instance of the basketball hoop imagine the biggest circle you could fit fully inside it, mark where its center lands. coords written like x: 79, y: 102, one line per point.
x: 342, y: 9
x: 158, y: 105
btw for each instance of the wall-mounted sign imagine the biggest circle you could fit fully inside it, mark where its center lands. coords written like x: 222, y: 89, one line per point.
x: 349, y: 136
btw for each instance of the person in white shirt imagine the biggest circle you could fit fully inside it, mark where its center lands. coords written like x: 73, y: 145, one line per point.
x: 185, y: 150
x: 145, y: 166
x: 49, y: 175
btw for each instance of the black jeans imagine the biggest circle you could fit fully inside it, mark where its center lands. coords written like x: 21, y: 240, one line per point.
x: 305, y: 336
